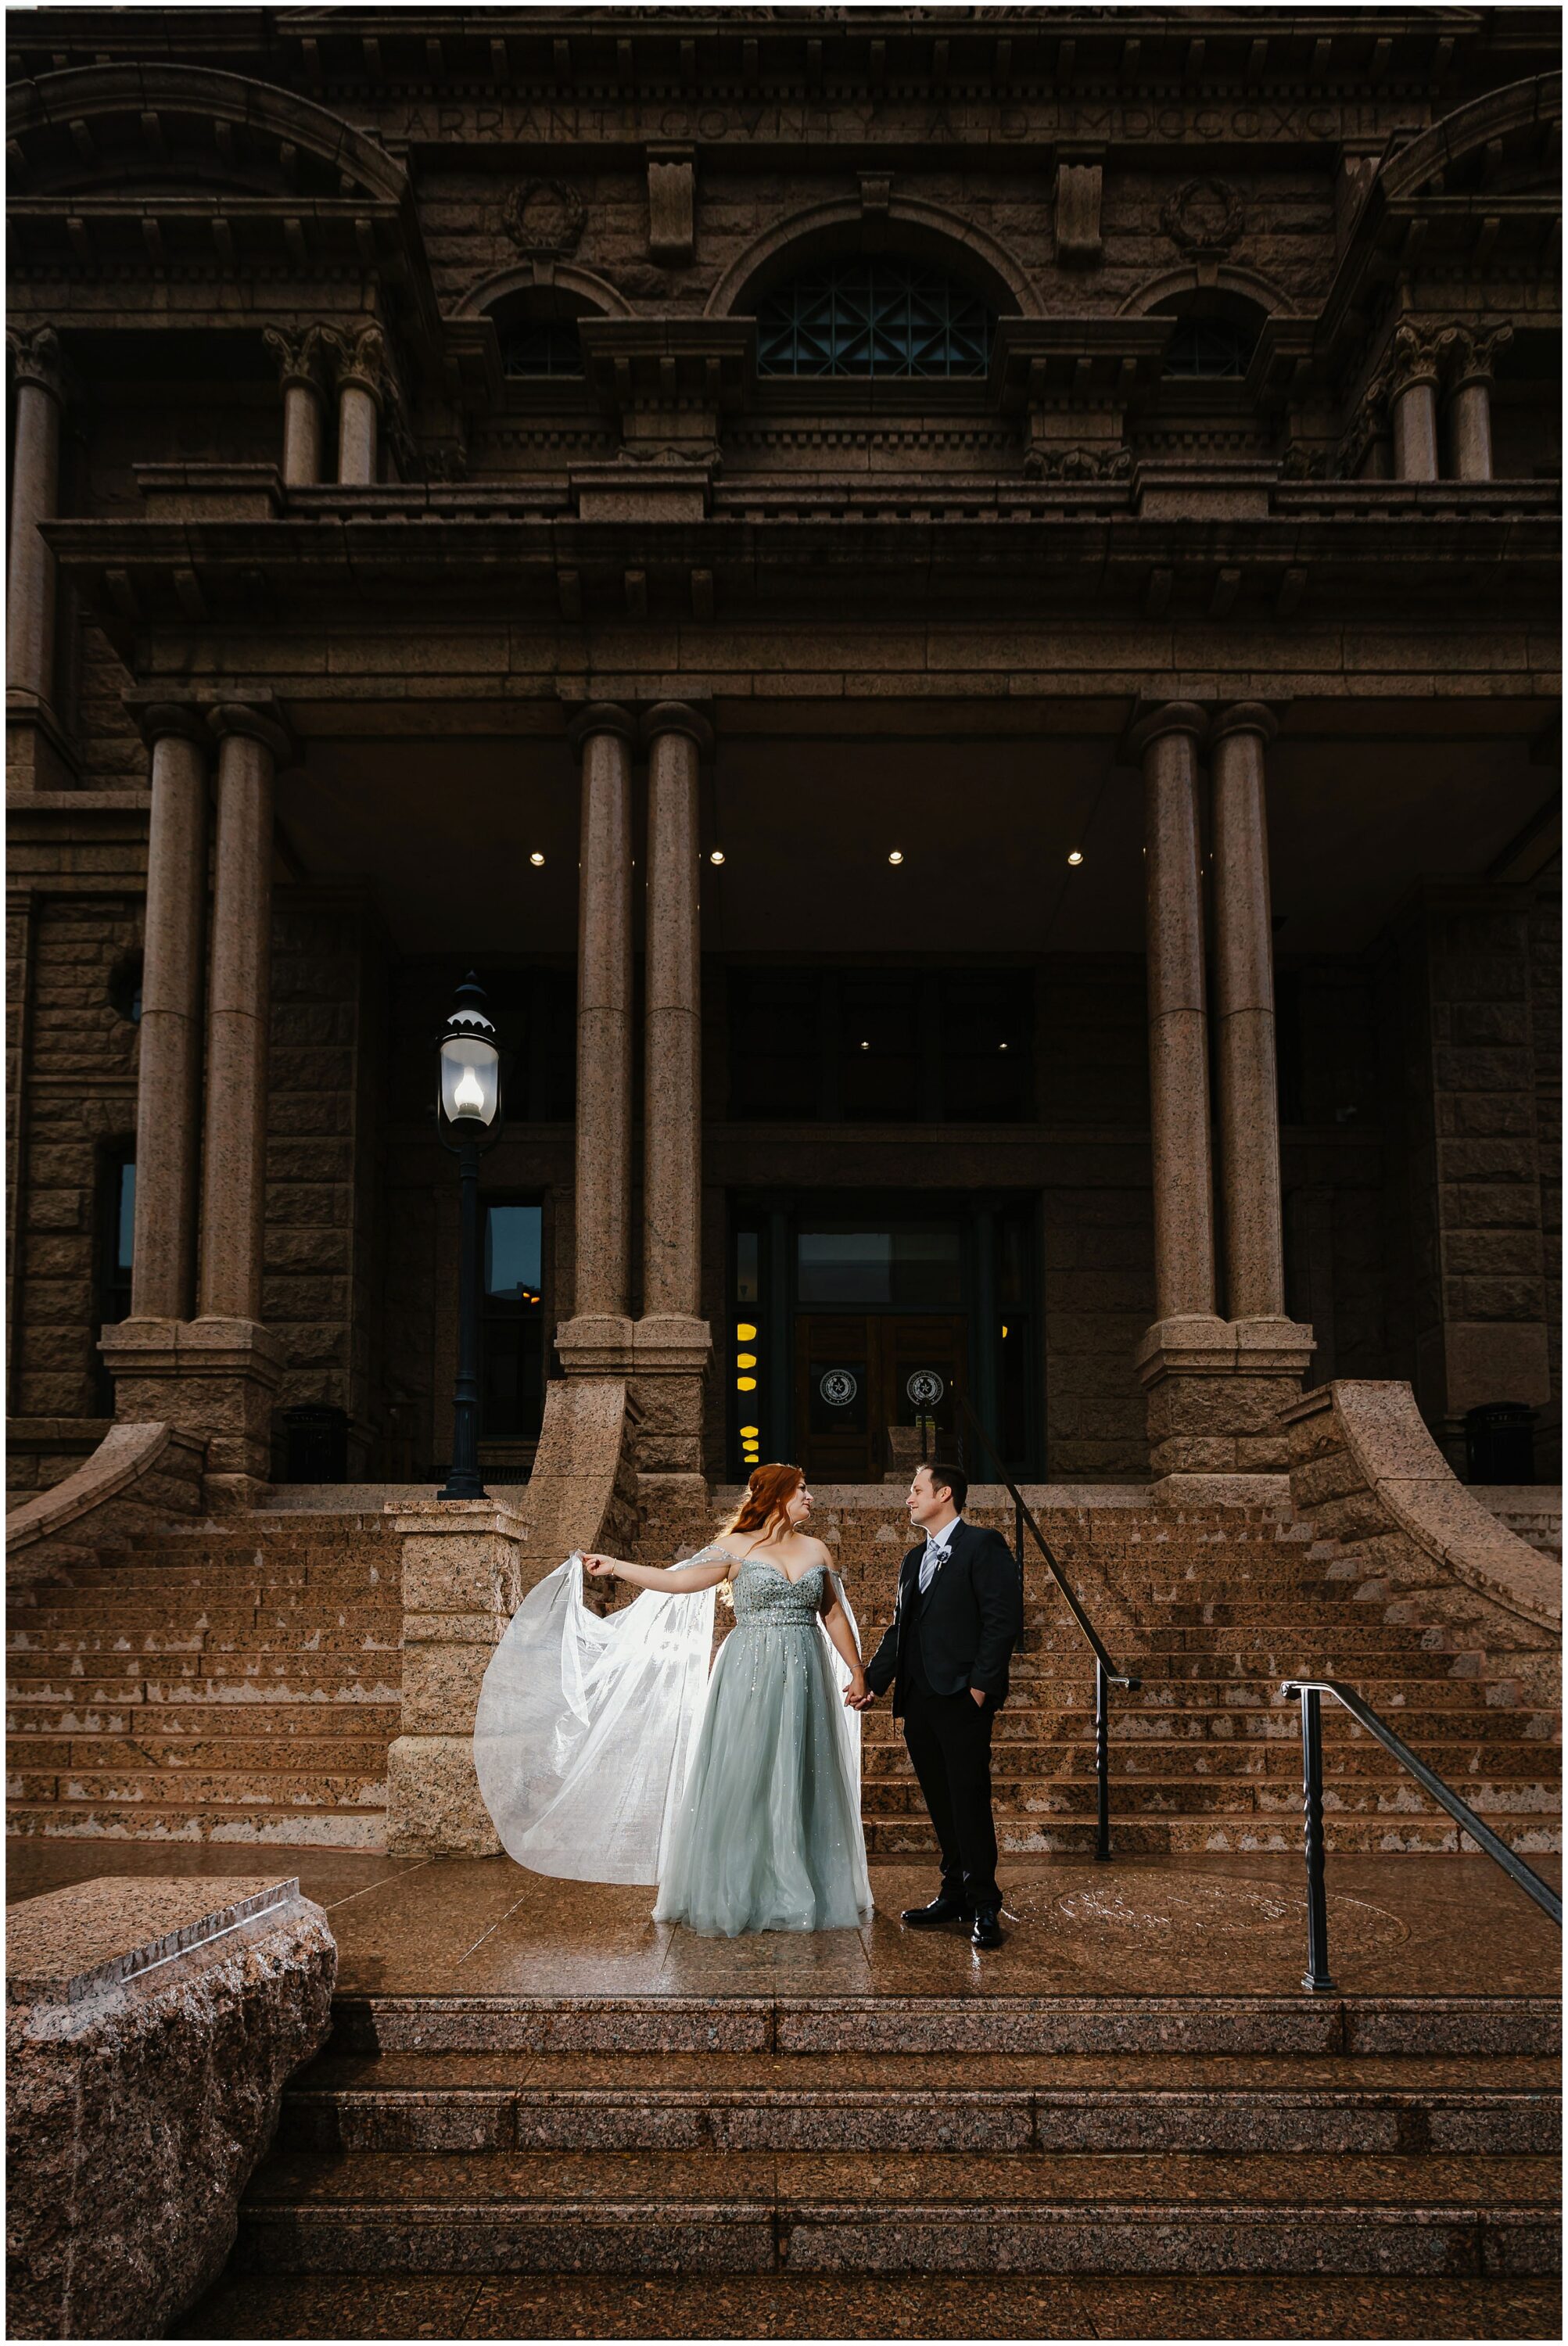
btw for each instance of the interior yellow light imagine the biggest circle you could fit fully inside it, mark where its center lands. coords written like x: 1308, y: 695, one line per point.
x: 746, y: 1359
x: 744, y: 1331
x: 1004, y: 1326
x: 751, y: 1434
x: 745, y: 1385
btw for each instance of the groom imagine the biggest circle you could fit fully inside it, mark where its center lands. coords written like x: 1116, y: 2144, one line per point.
x: 957, y: 1618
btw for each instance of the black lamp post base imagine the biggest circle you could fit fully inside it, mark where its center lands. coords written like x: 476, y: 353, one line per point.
x: 462, y: 1488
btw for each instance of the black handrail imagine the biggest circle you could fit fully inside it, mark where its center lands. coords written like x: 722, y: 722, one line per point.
x: 1318, y: 1977
x: 1106, y: 1674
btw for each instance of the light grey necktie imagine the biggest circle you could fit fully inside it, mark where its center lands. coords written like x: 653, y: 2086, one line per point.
x: 933, y: 1555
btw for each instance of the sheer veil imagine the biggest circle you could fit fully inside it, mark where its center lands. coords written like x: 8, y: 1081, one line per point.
x: 586, y: 1726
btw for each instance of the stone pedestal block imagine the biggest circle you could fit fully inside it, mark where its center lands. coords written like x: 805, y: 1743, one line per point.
x: 38, y: 754
x: 215, y: 1378
x: 151, y: 2025
x: 1215, y: 1390
x: 670, y: 1355
x: 595, y: 1344
x: 462, y: 1582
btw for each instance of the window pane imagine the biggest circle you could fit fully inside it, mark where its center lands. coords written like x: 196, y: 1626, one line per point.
x: 873, y: 317
x: 893, y: 1267
x: 775, y: 1043
x: 878, y: 1040
x: 986, y: 1029
x: 512, y: 1244
x: 746, y: 1250
x: 125, y: 1230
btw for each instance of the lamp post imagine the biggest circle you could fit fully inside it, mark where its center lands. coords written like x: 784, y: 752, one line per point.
x: 468, y: 1106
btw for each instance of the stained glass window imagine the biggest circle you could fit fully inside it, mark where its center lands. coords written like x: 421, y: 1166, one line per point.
x: 873, y: 317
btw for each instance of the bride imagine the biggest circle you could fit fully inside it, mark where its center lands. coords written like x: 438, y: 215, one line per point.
x: 605, y: 1751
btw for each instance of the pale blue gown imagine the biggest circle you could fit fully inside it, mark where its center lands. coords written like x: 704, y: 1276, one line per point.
x: 767, y: 1831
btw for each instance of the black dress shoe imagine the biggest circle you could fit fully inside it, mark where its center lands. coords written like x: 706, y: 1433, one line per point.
x: 987, y: 1931
x: 942, y: 1909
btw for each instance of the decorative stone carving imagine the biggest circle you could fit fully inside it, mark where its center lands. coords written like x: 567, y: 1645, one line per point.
x: 543, y: 216
x: 1203, y: 217
x: 150, y: 2028
x: 1079, y: 464
x: 1468, y: 354
x: 361, y: 360
x: 36, y: 357
x: 672, y: 203
x: 1415, y: 356
x: 300, y: 358
x: 1079, y: 187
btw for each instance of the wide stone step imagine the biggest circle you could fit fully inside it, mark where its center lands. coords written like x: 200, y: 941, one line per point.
x: 225, y: 1788
x: 1399, y: 2027
x: 302, y: 1637
x: 1137, y: 1835
x: 729, y: 2211
x: 280, y: 1721
x: 337, y: 1757
x: 1191, y: 1794
x: 1463, y: 1764
x: 153, y: 1682
x: 744, y: 2102
x: 257, y: 1825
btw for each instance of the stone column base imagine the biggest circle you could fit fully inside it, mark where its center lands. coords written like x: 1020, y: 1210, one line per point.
x: 595, y: 1344
x: 670, y: 1355
x: 1215, y: 1392
x: 462, y: 1583
x: 215, y: 1378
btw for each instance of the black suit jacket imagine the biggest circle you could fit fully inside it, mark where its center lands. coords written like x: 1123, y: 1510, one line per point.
x: 968, y: 1625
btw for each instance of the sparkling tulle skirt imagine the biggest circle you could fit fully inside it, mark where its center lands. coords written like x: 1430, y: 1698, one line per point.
x: 767, y: 1834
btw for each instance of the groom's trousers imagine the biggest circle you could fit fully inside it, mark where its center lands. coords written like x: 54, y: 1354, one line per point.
x: 949, y: 1740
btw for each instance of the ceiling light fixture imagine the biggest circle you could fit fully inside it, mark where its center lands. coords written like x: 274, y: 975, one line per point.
x: 535, y: 857
x: 716, y: 855
x: 1076, y: 856
x: 896, y: 856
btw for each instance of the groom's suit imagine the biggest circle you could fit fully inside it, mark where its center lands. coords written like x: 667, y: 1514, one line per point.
x: 958, y: 1634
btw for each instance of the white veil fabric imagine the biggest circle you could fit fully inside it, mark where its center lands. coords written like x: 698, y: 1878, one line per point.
x: 586, y: 1726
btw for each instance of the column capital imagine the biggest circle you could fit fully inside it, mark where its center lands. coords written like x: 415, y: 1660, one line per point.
x: 1468, y: 354
x: 602, y: 716
x: 300, y: 358
x: 253, y: 721
x: 157, y: 715
x: 1414, y: 357
x: 675, y: 717
x: 34, y: 357
x: 1245, y: 717
x: 1152, y: 720
x: 362, y: 358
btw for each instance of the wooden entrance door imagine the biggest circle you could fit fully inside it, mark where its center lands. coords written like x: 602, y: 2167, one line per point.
x: 858, y: 1374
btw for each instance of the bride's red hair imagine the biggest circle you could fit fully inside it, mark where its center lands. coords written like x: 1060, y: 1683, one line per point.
x: 766, y: 1506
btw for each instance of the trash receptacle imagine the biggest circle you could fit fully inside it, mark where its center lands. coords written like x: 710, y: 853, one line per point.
x: 1500, y: 1442
x: 315, y: 1444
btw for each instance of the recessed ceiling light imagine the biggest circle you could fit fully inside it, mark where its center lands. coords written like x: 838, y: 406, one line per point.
x: 897, y: 856
x: 1001, y: 1046
x: 717, y: 856
x: 1076, y: 856
x: 535, y: 857
x: 865, y: 1047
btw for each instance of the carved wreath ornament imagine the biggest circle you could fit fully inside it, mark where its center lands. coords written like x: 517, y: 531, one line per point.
x: 543, y: 216
x: 1204, y: 215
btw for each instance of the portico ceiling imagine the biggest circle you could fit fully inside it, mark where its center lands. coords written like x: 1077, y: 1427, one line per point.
x: 807, y: 811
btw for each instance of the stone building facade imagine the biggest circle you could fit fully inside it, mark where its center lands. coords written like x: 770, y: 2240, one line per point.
x: 956, y: 611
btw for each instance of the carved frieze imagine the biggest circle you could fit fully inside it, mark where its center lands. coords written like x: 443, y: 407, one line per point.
x: 1203, y: 217
x: 543, y: 218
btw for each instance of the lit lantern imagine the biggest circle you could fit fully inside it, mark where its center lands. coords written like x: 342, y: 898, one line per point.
x: 470, y: 1089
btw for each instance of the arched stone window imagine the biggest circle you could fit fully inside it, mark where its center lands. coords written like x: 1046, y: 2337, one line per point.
x: 1215, y: 336
x: 873, y: 315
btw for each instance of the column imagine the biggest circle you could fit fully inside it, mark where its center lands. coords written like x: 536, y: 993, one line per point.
x: 596, y: 1340
x: 1243, y: 1011
x: 671, y: 1341
x: 1178, y: 1046
x: 1412, y: 384
x: 1471, y: 358
x: 168, y: 1084
x: 363, y: 380
x: 234, y: 1148
x: 35, y: 496
x: 299, y: 366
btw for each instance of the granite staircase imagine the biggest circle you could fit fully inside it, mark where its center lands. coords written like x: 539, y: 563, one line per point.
x: 804, y: 2138
x: 233, y: 1681
x: 1213, y: 1609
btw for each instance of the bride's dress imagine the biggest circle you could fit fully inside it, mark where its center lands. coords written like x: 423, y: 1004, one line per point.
x: 606, y: 1752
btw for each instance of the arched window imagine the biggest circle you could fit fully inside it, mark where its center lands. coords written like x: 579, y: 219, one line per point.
x: 873, y: 316
x: 1214, y: 338
x: 538, y: 331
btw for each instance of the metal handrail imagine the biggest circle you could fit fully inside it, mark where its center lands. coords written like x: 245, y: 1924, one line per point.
x: 1318, y: 1977
x: 1106, y: 1674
